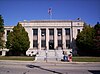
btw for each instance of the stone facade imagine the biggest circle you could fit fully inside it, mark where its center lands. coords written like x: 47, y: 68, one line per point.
x: 50, y: 34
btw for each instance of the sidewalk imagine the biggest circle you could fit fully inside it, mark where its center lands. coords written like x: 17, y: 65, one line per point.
x: 57, y: 62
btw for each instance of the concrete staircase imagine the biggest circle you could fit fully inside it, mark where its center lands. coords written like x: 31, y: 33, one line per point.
x: 52, y: 55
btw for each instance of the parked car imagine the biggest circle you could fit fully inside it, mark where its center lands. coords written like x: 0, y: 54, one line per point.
x: 31, y: 52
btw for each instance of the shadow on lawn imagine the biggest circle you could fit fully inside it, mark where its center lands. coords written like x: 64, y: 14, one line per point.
x: 34, y: 66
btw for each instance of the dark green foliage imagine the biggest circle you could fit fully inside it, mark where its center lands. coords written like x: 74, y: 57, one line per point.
x: 1, y: 32
x: 18, y: 41
x: 97, y: 38
x: 88, y: 41
x: 1, y: 24
x: 85, y: 42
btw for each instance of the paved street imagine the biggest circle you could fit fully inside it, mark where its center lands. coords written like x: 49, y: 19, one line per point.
x: 19, y: 67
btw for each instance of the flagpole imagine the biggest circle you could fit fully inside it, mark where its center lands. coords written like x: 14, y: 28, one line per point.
x: 50, y: 13
x: 50, y: 16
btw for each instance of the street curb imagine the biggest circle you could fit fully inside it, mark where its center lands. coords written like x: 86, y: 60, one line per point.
x: 59, y: 62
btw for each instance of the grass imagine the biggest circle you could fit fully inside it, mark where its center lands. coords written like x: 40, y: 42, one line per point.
x: 86, y: 59
x: 20, y: 58
x: 75, y: 59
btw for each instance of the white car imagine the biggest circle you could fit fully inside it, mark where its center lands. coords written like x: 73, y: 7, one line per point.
x: 31, y: 52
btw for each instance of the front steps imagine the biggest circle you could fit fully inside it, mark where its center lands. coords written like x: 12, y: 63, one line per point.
x: 52, y: 55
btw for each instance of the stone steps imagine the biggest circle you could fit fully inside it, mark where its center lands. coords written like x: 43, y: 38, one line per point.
x: 52, y: 55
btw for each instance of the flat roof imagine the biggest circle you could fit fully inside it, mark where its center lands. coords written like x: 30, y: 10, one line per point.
x: 45, y: 21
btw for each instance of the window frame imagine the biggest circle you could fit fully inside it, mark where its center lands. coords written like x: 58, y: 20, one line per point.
x: 67, y: 31
x: 51, y: 31
x: 59, y: 32
x: 68, y: 43
x: 35, y: 43
x: 43, y: 32
x: 35, y: 31
x: 59, y: 43
x: 43, y: 43
x: 78, y: 31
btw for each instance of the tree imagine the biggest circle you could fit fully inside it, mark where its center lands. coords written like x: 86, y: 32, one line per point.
x: 1, y: 32
x: 18, y: 41
x: 97, y: 39
x: 84, y: 41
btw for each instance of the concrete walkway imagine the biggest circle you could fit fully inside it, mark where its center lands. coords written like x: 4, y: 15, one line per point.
x: 58, y: 62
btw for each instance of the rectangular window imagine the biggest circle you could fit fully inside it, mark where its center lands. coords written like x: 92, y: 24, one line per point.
x: 67, y: 31
x: 43, y: 43
x: 59, y: 32
x: 68, y: 43
x: 43, y: 32
x: 35, y: 31
x: 51, y: 31
x: 78, y: 31
x: 8, y: 31
x: 59, y: 43
x: 35, y: 43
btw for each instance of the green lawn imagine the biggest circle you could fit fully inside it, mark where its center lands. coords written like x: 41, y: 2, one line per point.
x: 86, y: 59
x: 75, y: 59
x: 20, y: 58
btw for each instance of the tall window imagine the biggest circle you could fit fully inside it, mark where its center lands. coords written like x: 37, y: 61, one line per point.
x: 35, y: 31
x: 35, y: 43
x: 51, y: 31
x: 67, y: 31
x: 43, y: 43
x: 59, y: 32
x: 68, y: 43
x: 43, y: 32
x: 78, y: 31
x: 8, y: 31
x: 59, y: 43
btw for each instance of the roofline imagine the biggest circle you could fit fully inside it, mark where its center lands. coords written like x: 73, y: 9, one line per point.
x: 8, y: 26
x: 35, y: 21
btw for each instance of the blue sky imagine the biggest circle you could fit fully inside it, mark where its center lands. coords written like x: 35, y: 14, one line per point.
x: 14, y: 11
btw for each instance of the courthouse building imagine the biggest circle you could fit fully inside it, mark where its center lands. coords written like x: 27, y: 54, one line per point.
x: 50, y: 34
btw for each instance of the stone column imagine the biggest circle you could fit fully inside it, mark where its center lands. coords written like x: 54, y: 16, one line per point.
x: 3, y: 53
x: 47, y: 38
x: 30, y: 34
x: 39, y: 39
x: 63, y: 38
x: 55, y: 38
x: 5, y: 35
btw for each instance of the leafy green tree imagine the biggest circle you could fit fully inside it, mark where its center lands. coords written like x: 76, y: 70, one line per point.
x: 84, y: 41
x: 18, y: 41
x: 1, y: 32
x: 97, y: 39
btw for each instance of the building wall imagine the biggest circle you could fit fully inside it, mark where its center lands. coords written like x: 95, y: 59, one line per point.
x: 45, y: 24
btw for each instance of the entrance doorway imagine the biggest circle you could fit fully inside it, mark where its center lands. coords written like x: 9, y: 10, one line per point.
x: 51, y: 45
